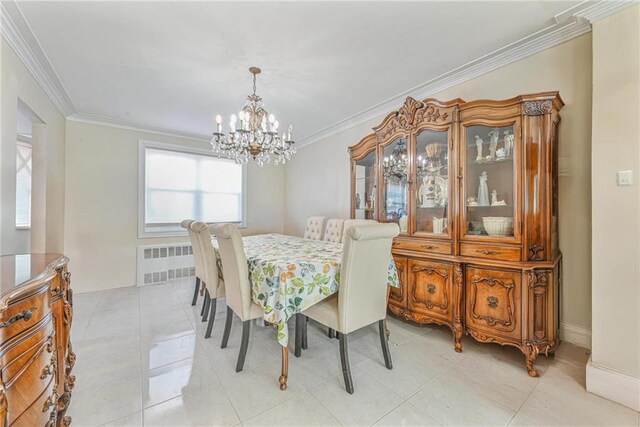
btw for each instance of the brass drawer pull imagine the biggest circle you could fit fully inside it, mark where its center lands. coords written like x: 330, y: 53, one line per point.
x: 51, y: 400
x: 431, y: 288
x: 493, y: 301
x: 25, y: 315
x: 486, y: 252
x: 429, y: 246
x: 49, y: 369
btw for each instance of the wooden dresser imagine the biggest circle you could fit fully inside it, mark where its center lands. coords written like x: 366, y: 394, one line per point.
x: 474, y: 189
x: 36, y: 357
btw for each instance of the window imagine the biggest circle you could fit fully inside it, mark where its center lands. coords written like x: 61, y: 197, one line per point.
x: 181, y: 183
x: 23, y: 185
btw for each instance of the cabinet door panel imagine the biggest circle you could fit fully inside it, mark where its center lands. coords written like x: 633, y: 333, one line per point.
x: 491, y: 185
x: 493, y: 301
x: 430, y: 289
x: 398, y: 296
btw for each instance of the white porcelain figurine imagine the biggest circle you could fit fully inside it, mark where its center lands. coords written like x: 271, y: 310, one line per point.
x: 483, y: 190
x: 494, y: 198
x: 479, y: 142
x: 493, y: 145
x: 508, y: 141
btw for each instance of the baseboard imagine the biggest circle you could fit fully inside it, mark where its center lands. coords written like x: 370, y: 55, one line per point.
x: 614, y: 386
x: 575, y: 335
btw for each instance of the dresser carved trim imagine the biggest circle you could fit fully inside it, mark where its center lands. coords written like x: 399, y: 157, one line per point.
x: 36, y: 356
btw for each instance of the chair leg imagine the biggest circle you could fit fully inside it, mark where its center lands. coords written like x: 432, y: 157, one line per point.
x: 204, y: 304
x: 384, y: 341
x: 331, y: 333
x: 195, y: 292
x: 299, y: 332
x: 212, y: 315
x: 305, y: 343
x: 207, y: 299
x: 344, y: 360
x: 246, y: 328
x: 227, y: 328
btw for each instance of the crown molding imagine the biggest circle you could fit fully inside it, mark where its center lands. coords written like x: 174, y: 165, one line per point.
x: 567, y: 25
x: 16, y: 31
x: 138, y: 127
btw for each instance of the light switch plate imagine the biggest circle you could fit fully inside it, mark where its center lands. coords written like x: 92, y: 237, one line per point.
x: 625, y: 178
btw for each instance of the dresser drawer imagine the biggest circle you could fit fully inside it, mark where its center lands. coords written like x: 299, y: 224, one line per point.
x: 420, y: 245
x: 29, y: 365
x: 24, y: 313
x: 506, y: 253
x: 41, y: 411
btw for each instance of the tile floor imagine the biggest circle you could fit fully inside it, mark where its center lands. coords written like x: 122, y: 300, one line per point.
x: 142, y: 360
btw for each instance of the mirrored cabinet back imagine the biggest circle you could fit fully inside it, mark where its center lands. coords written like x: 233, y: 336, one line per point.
x: 473, y: 187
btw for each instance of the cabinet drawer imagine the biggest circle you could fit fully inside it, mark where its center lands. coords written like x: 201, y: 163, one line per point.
x: 29, y: 365
x: 430, y: 289
x: 506, y: 253
x: 41, y: 411
x: 24, y: 313
x: 398, y: 296
x: 493, y: 302
x: 420, y: 245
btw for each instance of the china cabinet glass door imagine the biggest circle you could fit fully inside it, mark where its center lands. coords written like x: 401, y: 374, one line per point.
x: 395, y: 162
x: 490, y: 174
x: 365, y: 187
x: 432, y: 183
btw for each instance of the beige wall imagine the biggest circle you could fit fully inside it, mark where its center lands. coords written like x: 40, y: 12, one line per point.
x: 616, y: 210
x: 49, y: 142
x: 102, y: 203
x: 317, y: 180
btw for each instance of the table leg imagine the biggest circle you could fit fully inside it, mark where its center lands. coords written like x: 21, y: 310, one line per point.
x: 285, y: 368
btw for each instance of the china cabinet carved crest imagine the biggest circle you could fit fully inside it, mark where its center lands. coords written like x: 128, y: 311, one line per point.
x: 474, y: 189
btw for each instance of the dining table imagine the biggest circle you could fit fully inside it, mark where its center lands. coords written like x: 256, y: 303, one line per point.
x: 289, y: 274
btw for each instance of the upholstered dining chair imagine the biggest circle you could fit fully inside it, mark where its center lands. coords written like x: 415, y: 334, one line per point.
x: 186, y: 224
x: 213, y: 284
x: 314, y: 227
x: 352, y: 222
x: 238, y: 288
x: 333, y: 230
x: 362, y: 296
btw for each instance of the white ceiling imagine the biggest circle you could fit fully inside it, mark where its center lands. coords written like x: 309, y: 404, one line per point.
x: 173, y: 65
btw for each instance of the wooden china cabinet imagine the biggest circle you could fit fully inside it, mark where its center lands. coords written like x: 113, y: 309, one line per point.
x: 474, y: 189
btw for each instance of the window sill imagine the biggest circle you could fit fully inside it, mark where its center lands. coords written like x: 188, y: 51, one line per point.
x: 156, y: 232
x: 23, y: 227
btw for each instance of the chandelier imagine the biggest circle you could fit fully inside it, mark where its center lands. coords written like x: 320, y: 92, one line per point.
x: 256, y: 136
x: 395, y: 165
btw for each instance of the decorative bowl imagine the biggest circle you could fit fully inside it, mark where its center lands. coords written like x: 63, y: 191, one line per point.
x: 498, y: 225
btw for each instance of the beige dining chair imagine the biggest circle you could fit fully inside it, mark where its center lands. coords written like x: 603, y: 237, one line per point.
x: 186, y: 224
x: 314, y: 227
x: 237, y: 285
x: 362, y: 296
x: 213, y: 284
x: 333, y: 231
x: 353, y: 222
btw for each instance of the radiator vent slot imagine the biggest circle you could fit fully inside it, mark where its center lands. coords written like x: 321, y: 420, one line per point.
x: 161, y: 263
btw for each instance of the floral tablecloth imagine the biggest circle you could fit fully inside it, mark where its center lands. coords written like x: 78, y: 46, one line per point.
x: 289, y: 274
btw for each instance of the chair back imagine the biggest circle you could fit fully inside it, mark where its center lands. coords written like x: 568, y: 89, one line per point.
x: 314, y: 227
x: 362, y: 297
x: 235, y: 269
x: 197, y: 256
x: 353, y: 222
x: 333, y: 231
x: 209, y: 260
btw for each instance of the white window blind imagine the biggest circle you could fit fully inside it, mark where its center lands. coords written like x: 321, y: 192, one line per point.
x: 23, y: 185
x: 180, y: 185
